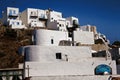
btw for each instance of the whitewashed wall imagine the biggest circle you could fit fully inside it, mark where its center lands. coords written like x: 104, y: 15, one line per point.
x: 43, y: 37
x: 48, y: 53
x: 12, y: 9
x: 84, y: 37
x: 65, y: 68
x: 71, y: 77
x: 54, y: 15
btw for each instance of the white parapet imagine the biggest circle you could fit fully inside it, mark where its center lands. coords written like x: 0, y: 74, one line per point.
x: 65, y: 68
x: 85, y: 77
x: 49, y: 53
x: 83, y: 37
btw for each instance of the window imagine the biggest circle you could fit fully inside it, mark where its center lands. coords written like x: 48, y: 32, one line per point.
x: 14, y: 12
x: 18, y: 23
x: 42, y: 16
x: 13, y: 23
x: 34, y: 13
x: 31, y: 12
x: 52, y: 18
x: 10, y: 12
x: 67, y: 23
x: 66, y: 57
x: 13, y: 18
x: 52, y: 41
x: 60, y: 25
x: 58, y: 15
x: 58, y: 55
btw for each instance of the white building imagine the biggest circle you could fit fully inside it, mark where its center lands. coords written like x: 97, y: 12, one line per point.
x: 56, y: 54
x: 50, y: 37
x: 48, y: 60
x: 10, y: 17
x: 63, y: 61
x: 84, y: 37
x: 34, y: 17
x: 89, y: 28
x: 54, y: 16
x: 73, y: 20
x: 57, y: 22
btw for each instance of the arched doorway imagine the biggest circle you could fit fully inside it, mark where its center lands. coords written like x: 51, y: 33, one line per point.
x: 103, y: 69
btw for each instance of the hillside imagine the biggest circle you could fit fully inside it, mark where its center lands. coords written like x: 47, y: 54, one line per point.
x: 10, y: 41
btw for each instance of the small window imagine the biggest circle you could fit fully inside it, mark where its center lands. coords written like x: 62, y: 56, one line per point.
x: 10, y: 12
x: 18, y: 23
x: 13, y: 23
x: 14, y: 12
x: 13, y: 18
x: 35, y: 13
x: 52, y: 41
x: 42, y: 16
x: 67, y: 23
x: 60, y: 25
x: 58, y: 56
x: 52, y: 18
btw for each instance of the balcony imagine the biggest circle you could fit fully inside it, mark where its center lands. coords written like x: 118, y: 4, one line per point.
x: 43, y: 17
x: 16, y: 24
x: 37, y: 24
x: 12, y: 15
x: 33, y: 16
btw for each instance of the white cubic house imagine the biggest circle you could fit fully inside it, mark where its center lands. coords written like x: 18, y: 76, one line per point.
x: 57, y: 22
x: 34, y: 17
x: 10, y: 17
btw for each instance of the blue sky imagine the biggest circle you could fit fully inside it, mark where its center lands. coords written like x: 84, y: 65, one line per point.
x: 105, y: 14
